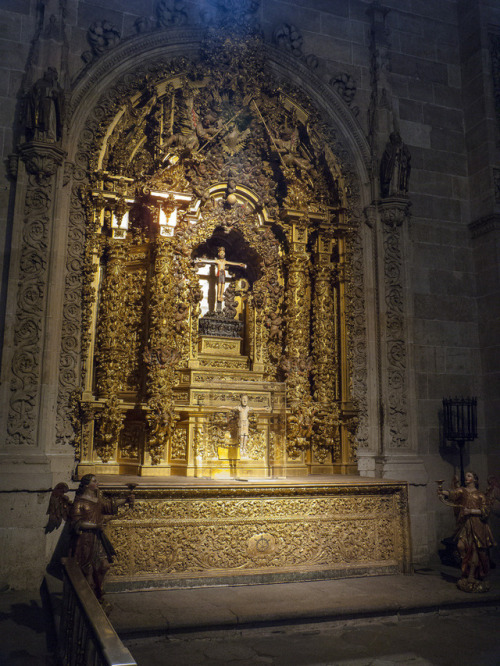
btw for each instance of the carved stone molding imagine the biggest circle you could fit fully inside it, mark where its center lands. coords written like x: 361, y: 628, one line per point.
x: 484, y: 225
x: 393, y: 214
x: 41, y: 159
x: 42, y: 162
x: 394, y: 211
x: 370, y: 213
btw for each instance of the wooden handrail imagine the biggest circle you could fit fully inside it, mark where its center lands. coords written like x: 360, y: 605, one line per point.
x: 86, y: 636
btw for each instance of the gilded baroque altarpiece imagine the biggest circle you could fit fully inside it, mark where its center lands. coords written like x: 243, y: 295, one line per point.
x: 200, y: 161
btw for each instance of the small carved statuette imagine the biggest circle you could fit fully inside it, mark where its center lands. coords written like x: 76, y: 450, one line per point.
x: 395, y: 167
x: 45, y: 105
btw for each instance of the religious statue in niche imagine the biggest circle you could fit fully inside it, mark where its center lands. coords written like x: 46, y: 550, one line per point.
x: 395, y: 167
x: 243, y: 410
x: 44, y: 110
x: 472, y: 536
x: 221, y: 262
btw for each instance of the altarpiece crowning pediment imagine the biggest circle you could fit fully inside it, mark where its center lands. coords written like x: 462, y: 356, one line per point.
x: 217, y: 254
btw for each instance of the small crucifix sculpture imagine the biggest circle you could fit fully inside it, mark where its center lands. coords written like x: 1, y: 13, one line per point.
x: 221, y: 262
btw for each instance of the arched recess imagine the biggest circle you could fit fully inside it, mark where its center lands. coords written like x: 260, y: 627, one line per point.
x: 225, y: 142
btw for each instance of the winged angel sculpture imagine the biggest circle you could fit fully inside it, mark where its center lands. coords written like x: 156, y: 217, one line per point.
x: 473, y: 536
x: 87, y: 516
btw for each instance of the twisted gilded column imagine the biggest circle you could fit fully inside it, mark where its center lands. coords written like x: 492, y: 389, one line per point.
x: 162, y: 355
x: 325, y: 351
x: 297, y: 362
x: 110, y: 353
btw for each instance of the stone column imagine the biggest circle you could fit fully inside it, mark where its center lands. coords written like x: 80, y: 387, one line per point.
x: 29, y: 370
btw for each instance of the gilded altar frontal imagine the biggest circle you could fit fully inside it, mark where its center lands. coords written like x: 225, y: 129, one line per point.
x: 218, y: 252
x: 224, y: 532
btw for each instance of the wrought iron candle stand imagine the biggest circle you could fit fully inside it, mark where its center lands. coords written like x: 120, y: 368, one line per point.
x: 460, y: 425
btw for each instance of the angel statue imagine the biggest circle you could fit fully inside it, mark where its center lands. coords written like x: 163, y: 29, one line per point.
x: 473, y: 535
x: 87, y: 515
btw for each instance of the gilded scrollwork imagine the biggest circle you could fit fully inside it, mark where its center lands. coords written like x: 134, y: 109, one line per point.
x: 256, y: 446
x: 178, y: 445
x: 131, y: 440
x: 273, y: 532
x: 111, y: 353
x: 162, y: 336
x: 228, y: 154
x: 109, y: 424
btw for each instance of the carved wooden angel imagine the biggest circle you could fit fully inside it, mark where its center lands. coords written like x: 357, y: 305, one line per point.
x: 87, y: 515
x: 473, y: 535
x: 59, y: 507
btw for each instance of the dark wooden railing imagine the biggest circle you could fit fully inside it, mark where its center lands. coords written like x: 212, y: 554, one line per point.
x: 86, y: 636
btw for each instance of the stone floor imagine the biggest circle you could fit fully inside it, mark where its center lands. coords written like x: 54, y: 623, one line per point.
x: 450, y: 639
x: 380, y: 620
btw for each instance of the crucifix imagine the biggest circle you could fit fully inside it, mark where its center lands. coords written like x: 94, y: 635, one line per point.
x: 221, y: 262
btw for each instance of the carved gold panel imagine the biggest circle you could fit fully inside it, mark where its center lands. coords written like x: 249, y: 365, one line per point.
x: 220, y: 346
x: 229, y: 531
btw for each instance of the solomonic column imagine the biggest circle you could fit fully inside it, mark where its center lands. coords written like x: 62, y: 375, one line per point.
x: 110, y: 352
x: 297, y: 361
x: 325, y: 351
x: 162, y: 356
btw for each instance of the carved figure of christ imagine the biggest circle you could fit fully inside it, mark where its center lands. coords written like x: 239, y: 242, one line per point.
x: 221, y: 262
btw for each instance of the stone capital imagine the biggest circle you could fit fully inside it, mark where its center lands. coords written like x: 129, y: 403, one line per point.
x: 394, y: 211
x: 41, y: 159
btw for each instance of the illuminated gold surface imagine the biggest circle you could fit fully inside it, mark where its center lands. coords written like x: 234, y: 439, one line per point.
x: 267, y: 528
x: 177, y: 177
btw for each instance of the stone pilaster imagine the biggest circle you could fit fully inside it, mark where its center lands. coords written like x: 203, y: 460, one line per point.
x: 394, y: 214
x: 23, y: 355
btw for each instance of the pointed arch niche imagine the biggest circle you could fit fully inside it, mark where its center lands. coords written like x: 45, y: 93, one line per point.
x: 181, y: 162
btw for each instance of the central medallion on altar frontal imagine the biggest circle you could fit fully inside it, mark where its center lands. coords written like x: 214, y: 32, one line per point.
x: 218, y: 247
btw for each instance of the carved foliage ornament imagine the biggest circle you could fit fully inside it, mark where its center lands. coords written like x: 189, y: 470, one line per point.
x: 42, y: 162
x: 392, y: 217
x: 226, y: 535
x: 273, y: 125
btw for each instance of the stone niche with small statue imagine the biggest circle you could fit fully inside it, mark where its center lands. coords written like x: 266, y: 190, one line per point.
x: 217, y: 335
